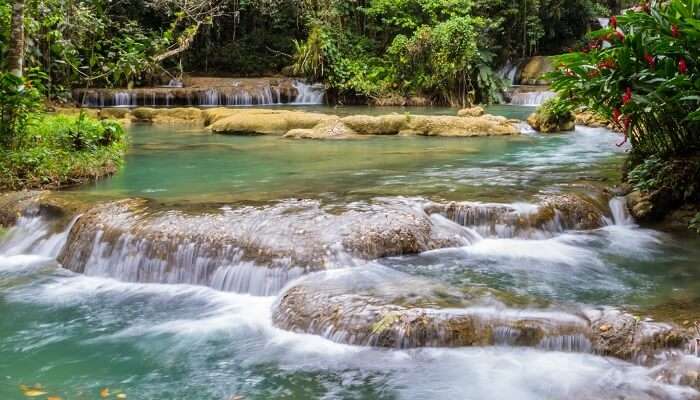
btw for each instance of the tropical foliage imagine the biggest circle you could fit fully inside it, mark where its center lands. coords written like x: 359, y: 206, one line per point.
x: 642, y: 72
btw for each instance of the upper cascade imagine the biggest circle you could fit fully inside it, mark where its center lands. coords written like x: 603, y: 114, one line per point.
x: 208, y: 92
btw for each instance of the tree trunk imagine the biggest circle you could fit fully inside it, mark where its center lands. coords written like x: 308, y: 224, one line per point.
x: 16, y: 51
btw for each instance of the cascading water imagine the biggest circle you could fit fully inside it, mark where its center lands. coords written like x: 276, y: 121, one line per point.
x: 531, y: 98
x: 509, y: 72
x: 526, y: 285
x: 36, y: 235
x: 309, y: 94
x: 257, y: 93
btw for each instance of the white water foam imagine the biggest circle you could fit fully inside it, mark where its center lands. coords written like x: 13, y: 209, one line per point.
x: 242, y: 323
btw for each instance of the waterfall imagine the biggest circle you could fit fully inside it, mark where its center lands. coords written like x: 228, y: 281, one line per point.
x: 309, y: 94
x: 619, y: 211
x: 509, y: 72
x: 505, y: 221
x: 36, y: 235
x: 122, y: 99
x: 237, y: 93
x: 532, y: 99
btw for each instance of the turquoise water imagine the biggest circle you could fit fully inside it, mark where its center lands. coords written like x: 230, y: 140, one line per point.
x: 183, y: 165
x: 74, y: 334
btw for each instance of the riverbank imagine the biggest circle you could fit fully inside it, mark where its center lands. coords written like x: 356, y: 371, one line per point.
x: 58, y: 151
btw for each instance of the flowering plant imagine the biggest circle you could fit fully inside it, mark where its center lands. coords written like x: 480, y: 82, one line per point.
x: 642, y: 72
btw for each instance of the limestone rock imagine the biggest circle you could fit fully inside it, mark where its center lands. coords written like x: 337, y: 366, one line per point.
x: 475, y: 111
x: 591, y: 119
x: 332, y: 129
x: 267, y: 122
x: 544, y: 124
x: 385, y: 308
x: 382, y: 125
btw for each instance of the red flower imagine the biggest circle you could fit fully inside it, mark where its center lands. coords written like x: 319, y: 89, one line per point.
x: 593, y: 73
x: 627, y: 97
x: 650, y: 60
x: 682, y: 66
x: 616, y: 116
x: 613, y: 22
x: 620, y: 36
x: 674, y: 31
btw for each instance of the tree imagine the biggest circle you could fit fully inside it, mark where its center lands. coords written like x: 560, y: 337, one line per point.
x: 16, y: 50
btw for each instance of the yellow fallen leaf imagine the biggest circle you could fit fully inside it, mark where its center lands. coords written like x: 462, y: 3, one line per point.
x: 104, y: 392
x: 53, y: 398
x: 121, y: 396
x: 33, y: 392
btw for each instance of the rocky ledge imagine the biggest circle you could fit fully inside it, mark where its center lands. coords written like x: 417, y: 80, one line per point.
x: 310, y: 125
x: 390, y: 309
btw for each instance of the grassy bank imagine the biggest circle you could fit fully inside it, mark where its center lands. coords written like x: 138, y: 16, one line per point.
x: 59, y: 150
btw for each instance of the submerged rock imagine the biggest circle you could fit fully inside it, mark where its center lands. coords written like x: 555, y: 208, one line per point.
x: 388, y: 309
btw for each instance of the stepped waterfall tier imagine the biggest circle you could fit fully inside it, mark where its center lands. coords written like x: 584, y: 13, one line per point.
x: 402, y: 266
x: 222, y: 92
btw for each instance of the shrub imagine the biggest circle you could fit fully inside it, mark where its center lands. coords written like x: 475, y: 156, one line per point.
x: 60, y: 150
x: 642, y: 74
x: 19, y: 101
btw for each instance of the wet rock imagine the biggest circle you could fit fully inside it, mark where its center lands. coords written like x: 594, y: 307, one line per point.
x: 625, y: 336
x: 573, y: 211
x: 261, y: 246
x: 554, y: 214
x: 387, y: 309
x: 46, y: 203
x: 376, y: 307
x: 13, y: 204
x: 549, y: 124
x: 475, y: 111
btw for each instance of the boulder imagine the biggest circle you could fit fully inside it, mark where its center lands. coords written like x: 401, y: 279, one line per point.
x: 267, y: 122
x: 546, y: 124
